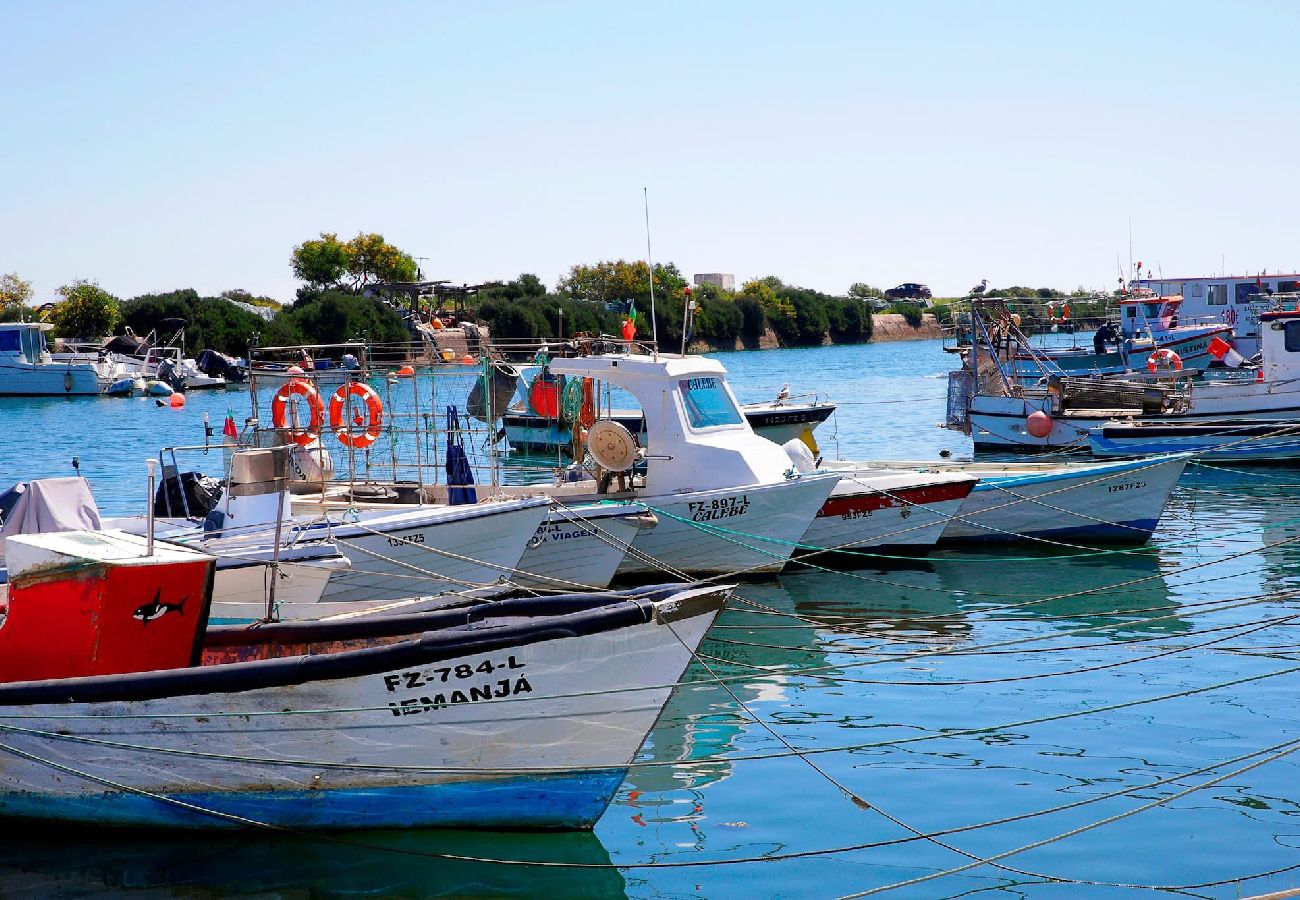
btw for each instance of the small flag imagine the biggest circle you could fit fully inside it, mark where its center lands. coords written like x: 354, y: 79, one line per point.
x: 229, y: 430
x: 1222, y: 351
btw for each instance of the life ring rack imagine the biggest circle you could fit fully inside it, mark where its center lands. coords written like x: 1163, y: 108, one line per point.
x: 374, y: 415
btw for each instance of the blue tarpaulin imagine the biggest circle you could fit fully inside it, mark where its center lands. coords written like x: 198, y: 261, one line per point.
x: 460, y: 478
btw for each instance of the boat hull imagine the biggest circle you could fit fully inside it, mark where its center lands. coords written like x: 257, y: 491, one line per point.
x: 431, y: 550
x: 1102, y: 502
x: 857, y: 516
x: 744, y: 530
x: 577, y: 547
x: 537, y: 734
x: 1225, y: 442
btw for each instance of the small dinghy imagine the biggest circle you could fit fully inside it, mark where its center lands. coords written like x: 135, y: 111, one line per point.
x: 120, y: 708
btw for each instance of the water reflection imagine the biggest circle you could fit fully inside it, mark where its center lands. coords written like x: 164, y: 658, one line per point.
x: 41, y: 861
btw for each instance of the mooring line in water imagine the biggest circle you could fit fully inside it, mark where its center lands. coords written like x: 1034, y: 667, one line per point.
x: 997, y: 857
x: 1242, y: 631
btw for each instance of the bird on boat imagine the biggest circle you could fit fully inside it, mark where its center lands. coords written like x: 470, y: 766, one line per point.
x: 979, y: 288
x: 783, y: 394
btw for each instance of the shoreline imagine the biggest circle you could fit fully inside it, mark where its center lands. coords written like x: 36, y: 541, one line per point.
x: 886, y: 327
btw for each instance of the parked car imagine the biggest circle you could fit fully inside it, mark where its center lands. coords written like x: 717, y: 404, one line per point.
x: 909, y: 290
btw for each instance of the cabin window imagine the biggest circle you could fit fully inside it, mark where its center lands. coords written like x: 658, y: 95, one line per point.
x: 1216, y: 294
x: 1131, y: 312
x: 1195, y: 291
x: 1248, y: 291
x: 1293, y: 337
x: 9, y: 341
x: 707, y: 402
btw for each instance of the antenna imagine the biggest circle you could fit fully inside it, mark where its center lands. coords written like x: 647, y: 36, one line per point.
x: 1130, y: 248
x: 654, y: 324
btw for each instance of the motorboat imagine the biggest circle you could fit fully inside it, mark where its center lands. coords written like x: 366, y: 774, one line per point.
x: 881, y: 508
x: 1231, y: 440
x: 1117, y: 501
x: 726, y: 500
x: 126, y: 708
x: 28, y: 368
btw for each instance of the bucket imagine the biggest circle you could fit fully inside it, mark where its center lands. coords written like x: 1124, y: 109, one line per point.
x: 505, y: 381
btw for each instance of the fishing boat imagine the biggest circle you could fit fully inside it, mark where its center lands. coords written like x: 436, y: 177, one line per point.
x: 726, y: 500
x: 523, y: 714
x: 999, y: 413
x: 28, y: 368
x: 899, y: 509
x: 1226, y: 441
x: 537, y: 421
x: 1147, y: 325
x: 1114, y: 501
x: 1236, y: 300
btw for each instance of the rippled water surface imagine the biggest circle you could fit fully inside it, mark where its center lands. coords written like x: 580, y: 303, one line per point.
x: 1096, y: 720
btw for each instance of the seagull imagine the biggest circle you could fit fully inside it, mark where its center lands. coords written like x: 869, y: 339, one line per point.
x: 783, y: 394
x: 979, y: 288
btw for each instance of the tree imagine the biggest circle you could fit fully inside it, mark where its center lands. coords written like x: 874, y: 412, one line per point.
x: 779, y: 312
x: 861, y: 291
x: 321, y: 263
x: 371, y: 258
x: 14, y: 292
x: 86, y: 310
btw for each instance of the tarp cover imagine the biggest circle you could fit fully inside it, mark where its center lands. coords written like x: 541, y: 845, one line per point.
x: 49, y: 504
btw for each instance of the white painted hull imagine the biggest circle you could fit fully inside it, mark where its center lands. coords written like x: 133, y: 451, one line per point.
x: 746, y: 530
x: 239, y: 593
x: 452, y: 740
x: 431, y: 550
x: 575, y: 548
x: 1116, y: 501
x: 999, y: 422
x: 860, y: 513
x: 51, y: 379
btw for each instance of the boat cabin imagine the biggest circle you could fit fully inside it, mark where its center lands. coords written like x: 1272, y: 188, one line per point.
x: 699, y: 438
x: 1280, y: 342
x: 24, y: 342
x: 1147, y: 314
x: 1236, y: 300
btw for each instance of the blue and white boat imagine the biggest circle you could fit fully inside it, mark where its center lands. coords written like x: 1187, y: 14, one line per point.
x: 27, y: 368
x: 1222, y: 441
x: 523, y: 714
x: 1117, y: 501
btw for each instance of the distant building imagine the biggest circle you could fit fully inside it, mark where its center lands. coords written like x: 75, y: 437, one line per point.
x: 724, y: 280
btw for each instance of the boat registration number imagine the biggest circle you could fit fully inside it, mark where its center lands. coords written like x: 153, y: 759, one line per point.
x: 415, y: 537
x: 718, y: 508
x: 452, y: 685
x: 1126, y: 486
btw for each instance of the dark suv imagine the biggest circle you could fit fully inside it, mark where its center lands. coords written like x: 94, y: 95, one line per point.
x: 908, y: 291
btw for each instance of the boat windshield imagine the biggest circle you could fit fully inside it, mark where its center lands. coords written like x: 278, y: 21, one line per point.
x: 707, y: 402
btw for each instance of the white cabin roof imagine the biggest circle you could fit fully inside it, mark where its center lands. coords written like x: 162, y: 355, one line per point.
x: 28, y: 552
x: 15, y: 326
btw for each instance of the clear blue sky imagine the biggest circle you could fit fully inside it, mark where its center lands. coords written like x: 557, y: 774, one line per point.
x: 151, y: 146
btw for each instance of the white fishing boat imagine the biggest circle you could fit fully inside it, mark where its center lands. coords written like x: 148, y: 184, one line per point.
x: 901, y: 509
x: 28, y: 368
x: 1238, y: 301
x: 997, y: 412
x: 520, y: 714
x: 726, y: 500
x: 1228, y: 441
x: 1114, y: 501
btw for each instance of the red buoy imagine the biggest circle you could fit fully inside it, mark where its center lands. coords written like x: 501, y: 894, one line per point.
x: 1039, y: 424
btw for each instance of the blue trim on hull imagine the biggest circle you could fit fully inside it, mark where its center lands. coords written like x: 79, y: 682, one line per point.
x: 538, y: 802
x: 1134, y: 531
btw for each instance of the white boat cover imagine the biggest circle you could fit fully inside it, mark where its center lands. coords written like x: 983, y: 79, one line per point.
x: 46, y: 505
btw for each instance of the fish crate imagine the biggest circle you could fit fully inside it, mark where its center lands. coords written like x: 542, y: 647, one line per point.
x: 961, y: 386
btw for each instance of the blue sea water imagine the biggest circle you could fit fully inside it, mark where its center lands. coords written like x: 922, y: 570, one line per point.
x: 1095, y: 711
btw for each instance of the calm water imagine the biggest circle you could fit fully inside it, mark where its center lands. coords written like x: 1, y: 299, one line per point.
x: 962, y: 689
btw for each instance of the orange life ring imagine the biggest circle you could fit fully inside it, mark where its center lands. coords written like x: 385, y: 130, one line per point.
x: 374, y: 414
x: 1164, y: 354
x: 280, y: 410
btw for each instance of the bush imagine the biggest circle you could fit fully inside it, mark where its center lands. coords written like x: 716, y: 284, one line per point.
x: 86, y: 311
x: 911, y: 312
